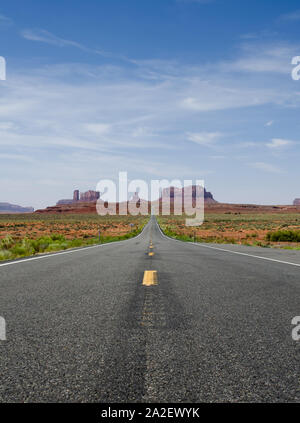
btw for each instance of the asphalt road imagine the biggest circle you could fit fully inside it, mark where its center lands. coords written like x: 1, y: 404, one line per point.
x: 216, y: 327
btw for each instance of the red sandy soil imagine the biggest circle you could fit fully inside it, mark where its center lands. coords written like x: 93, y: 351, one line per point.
x: 34, y: 226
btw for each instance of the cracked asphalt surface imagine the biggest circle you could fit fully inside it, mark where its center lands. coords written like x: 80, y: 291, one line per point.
x: 216, y: 328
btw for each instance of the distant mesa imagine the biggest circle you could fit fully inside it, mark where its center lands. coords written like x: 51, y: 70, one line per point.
x: 89, y: 196
x: 84, y: 197
x: 296, y: 202
x: 171, y: 192
x: 85, y: 202
x: 13, y: 208
x: 64, y: 201
x: 190, y: 192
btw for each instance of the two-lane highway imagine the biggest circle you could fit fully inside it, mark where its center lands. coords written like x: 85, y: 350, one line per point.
x: 207, y: 324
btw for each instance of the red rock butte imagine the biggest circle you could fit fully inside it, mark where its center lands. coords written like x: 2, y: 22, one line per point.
x: 85, y: 202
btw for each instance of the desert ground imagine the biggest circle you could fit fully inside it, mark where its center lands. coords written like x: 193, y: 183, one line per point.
x: 23, y: 235
x: 265, y: 226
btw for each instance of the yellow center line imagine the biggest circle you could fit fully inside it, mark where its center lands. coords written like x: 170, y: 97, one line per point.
x: 151, y: 253
x: 150, y: 277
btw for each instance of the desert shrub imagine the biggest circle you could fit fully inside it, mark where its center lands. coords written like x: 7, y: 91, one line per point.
x: 7, y: 242
x: 75, y: 243
x: 55, y: 246
x: 58, y: 237
x: 283, y: 236
x: 230, y: 240
x: 5, y: 255
x: 41, y: 244
x: 26, y: 243
x: 19, y: 251
x: 260, y: 244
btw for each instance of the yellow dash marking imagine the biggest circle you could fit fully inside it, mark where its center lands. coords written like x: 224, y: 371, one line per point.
x: 151, y: 254
x: 151, y: 246
x: 150, y: 277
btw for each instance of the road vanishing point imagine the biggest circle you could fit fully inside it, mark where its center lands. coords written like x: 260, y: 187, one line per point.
x: 177, y: 322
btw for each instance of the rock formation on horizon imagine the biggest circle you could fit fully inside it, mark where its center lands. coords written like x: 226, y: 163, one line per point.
x: 13, y: 208
x: 89, y: 196
x: 85, y: 197
x: 296, y: 202
x: 189, y: 192
x: 86, y: 202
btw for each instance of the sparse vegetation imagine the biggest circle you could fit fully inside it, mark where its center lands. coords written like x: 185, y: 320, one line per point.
x: 45, y: 234
x: 284, y: 236
x: 253, y: 229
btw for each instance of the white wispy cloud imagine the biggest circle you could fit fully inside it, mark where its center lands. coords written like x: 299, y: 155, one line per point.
x: 204, y: 138
x: 5, y: 21
x: 6, y: 126
x: 97, y: 128
x: 292, y: 16
x: 266, y: 167
x: 43, y: 36
x: 47, y: 37
x: 269, y: 123
x: 142, y: 131
x: 80, y: 122
x: 266, y: 33
x: 217, y: 157
x: 263, y: 58
x: 209, y: 96
x: 277, y: 143
x: 14, y: 157
x: 247, y: 144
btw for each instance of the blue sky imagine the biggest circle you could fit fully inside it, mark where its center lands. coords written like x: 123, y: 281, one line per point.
x: 194, y: 89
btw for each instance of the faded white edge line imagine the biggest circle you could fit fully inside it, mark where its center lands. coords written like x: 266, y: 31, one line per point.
x: 228, y: 251
x: 246, y: 254
x: 71, y: 251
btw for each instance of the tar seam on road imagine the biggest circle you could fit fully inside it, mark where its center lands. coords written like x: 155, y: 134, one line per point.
x: 228, y: 251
